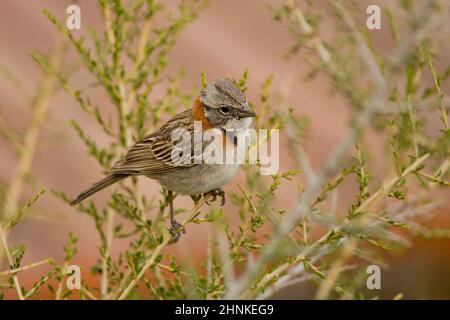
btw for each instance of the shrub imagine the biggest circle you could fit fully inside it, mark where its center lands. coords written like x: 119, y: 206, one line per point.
x: 272, y: 247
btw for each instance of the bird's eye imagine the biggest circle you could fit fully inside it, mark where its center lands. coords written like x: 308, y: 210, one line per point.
x: 224, y: 110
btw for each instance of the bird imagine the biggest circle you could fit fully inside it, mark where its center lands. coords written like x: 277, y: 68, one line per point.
x: 221, y: 105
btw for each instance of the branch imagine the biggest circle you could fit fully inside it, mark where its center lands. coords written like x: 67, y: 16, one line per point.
x: 380, y: 95
x: 40, y: 105
x: 25, y: 268
x: 151, y: 260
x: 270, y: 277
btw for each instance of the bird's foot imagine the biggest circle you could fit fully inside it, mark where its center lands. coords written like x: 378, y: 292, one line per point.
x: 175, y: 231
x: 214, y: 193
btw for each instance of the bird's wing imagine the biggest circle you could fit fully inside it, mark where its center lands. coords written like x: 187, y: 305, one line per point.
x: 153, y: 154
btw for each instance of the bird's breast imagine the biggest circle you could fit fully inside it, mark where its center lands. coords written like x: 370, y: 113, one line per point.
x: 198, y: 179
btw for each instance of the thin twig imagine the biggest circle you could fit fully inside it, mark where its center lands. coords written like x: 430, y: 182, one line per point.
x: 89, y: 294
x: 10, y: 261
x: 25, y: 268
x: 61, y: 283
x: 165, y: 241
x: 109, y: 238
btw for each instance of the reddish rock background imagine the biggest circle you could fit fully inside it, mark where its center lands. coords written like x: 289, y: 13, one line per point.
x: 228, y: 37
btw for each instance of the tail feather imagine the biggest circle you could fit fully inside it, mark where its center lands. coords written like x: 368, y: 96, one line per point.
x: 107, y: 181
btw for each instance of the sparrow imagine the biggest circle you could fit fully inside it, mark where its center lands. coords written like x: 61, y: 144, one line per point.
x: 221, y: 105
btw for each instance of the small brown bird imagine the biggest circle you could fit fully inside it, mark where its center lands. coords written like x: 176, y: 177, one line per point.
x: 221, y: 105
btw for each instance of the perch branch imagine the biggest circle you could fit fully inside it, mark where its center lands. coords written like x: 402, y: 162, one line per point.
x: 166, y: 239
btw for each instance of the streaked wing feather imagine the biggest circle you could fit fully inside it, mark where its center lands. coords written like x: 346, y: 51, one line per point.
x: 153, y: 154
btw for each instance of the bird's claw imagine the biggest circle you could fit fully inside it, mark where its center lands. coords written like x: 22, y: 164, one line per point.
x: 214, y: 193
x: 175, y: 231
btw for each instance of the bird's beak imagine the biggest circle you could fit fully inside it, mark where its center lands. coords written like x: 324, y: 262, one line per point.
x: 247, y: 113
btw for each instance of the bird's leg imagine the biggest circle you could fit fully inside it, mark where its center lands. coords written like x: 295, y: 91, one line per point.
x: 175, y: 226
x: 214, y: 193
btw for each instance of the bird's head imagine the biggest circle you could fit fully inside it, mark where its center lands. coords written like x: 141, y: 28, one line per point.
x: 226, y: 106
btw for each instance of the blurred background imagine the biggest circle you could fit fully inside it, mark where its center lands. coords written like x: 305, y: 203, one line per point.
x: 228, y: 37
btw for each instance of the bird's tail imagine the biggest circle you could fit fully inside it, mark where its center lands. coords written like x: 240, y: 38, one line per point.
x: 107, y: 181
